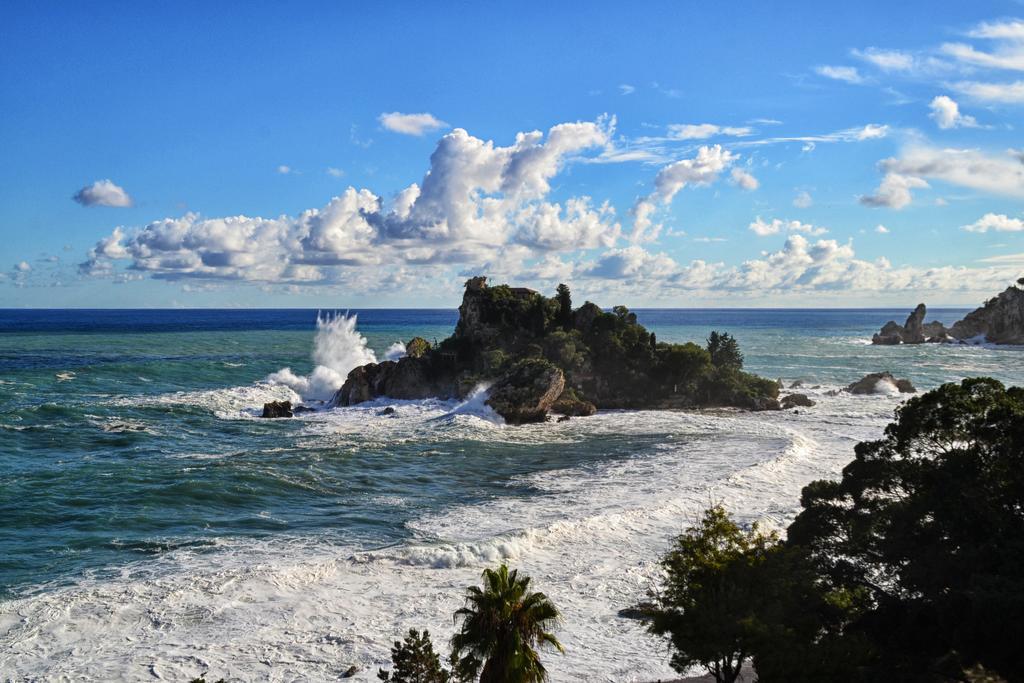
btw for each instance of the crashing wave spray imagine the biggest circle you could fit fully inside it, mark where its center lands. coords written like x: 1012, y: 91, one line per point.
x: 337, y: 349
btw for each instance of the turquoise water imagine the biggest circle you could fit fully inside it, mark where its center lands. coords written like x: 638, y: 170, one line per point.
x: 131, y: 457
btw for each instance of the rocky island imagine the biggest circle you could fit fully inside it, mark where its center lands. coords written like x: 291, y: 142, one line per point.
x: 999, y: 321
x: 539, y: 355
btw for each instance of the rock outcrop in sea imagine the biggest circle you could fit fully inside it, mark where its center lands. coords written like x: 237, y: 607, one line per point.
x: 881, y: 383
x: 539, y: 355
x: 999, y: 321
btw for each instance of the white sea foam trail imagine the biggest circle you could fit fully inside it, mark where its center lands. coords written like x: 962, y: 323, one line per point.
x: 337, y: 349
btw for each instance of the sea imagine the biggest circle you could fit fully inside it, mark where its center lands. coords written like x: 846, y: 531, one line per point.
x: 154, y: 527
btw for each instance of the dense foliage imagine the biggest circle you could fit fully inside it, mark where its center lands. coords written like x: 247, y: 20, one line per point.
x: 909, y: 568
x: 608, y: 358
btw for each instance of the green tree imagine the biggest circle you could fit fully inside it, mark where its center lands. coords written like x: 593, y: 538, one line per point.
x: 414, y: 661
x: 503, y: 625
x: 707, y: 606
x: 564, y: 298
x: 928, y: 524
x: 725, y: 351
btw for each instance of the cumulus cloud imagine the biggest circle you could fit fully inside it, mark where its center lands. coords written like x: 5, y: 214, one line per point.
x: 632, y: 263
x: 847, y: 74
x: 475, y: 200
x: 881, y: 229
x: 22, y: 267
x: 763, y: 229
x: 803, y: 200
x: 946, y: 114
x: 971, y: 168
x: 103, y: 193
x: 997, y: 222
x: 702, y: 131
x: 703, y: 169
x: 894, y: 191
x: 744, y: 179
x: 411, y: 124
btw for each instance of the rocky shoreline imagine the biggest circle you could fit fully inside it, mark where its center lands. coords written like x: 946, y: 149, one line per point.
x: 999, y: 321
x: 539, y: 355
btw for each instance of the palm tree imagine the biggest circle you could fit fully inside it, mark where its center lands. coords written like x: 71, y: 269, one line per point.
x: 502, y: 624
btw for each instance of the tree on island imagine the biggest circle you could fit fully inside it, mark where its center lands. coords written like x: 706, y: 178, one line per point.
x: 564, y: 298
x: 725, y: 351
x: 503, y: 624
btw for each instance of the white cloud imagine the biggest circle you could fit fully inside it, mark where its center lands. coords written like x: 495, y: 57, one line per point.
x: 946, y: 114
x: 702, y: 131
x: 744, y: 180
x: 1001, y: 175
x: 335, y: 172
x: 881, y: 229
x: 871, y: 132
x: 997, y: 222
x: 103, y: 193
x: 847, y: 74
x: 627, y: 89
x: 476, y: 200
x: 803, y: 200
x: 703, y: 169
x: 284, y: 170
x: 775, y: 226
x: 887, y: 60
x: 632, y: 263
x: 411, y: 124
x: 1008, y: 93
x: 22, y: 267
x: 894, y: 191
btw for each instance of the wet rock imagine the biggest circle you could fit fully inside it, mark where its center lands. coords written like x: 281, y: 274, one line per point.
x: 796, y: 384
x: 999, y: 321
x: 869, y: 384
x: 794, y: 400
x: 570, y: 403
x: 527, y: 391
x: 276, y: 409
x: 564, y: 418
x: 350, y: 672
x: 387, y: 411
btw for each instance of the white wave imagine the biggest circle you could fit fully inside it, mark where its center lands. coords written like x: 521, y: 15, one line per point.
x: 475, y: 405
x: 65, y: 376
x: 227, y: 403
x: 589, y: 536
x: 395, y: 351
x: 337, y: 349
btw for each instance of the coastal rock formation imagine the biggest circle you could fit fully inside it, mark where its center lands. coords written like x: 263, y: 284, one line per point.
x: 526, y: 346
x: 527, y: 392
x: 876, y: 382
x: 999, y: 321
x: 913, y: 331
x: 276, y: 409
x: 796, y: 400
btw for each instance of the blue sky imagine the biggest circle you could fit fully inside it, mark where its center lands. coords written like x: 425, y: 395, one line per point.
x: 685, y: 154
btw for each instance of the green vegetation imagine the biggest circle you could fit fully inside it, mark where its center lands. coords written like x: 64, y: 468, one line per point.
x: 910, y: 568
x: 608, y: 358
x: 414, y: 661
x: 503, y: 625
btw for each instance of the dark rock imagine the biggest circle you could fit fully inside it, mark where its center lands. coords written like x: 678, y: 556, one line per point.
x: 350, y: 672
x: 527, y: 392
x: 913, y: 331
x: 276, y: 409
x: 387, y: 411
x: 641, y: 612
x: 570, y: 403
x: 796, y: 384
x: 764, y: 403
x: 303, y: 409
x: 869, y: 384
x: 999, y: 321
x: 564, y: 418
x: 794, y: 400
